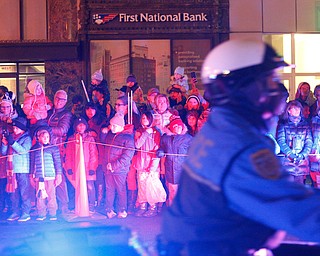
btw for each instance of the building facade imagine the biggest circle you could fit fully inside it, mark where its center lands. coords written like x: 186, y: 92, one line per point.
x: 62, y: 42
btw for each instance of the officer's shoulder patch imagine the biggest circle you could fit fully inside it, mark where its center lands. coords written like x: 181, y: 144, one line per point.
x: 266, y: 164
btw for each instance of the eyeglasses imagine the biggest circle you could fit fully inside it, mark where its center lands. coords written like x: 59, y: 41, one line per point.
x: 62, y: 99
x: 118, y: 104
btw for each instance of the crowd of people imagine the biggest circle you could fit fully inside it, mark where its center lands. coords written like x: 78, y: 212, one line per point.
x: 129, y: 148
x: 298, y: 136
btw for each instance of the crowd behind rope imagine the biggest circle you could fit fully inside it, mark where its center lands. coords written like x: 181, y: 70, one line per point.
x: 125, y: 145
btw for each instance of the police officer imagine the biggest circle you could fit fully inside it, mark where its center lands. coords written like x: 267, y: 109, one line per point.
x: 234, y: 198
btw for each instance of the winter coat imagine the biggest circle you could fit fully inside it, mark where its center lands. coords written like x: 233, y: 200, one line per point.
x: 174, y: 144
x: 119, y: 151
x: 51, y: 161
x: 95, y: 126
x: 36, y: 107
x: 90, y: 156
x: 21, y: 155
x: 295, y: 139
x: 104, y: 86
x: 60, y: 121
x: 314, y: 159
x: 147, y: 144
x: 137, y: 93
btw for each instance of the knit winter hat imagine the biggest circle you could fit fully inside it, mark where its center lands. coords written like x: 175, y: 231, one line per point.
x: 32, y: 86
x: 175, y: 120
x: 131, y: 78
x: 179, y: 70
x: 118, y: 119
x: 80, y: 120
x: 97, y: 75
x: 194, y: 97
x: 20, y: 122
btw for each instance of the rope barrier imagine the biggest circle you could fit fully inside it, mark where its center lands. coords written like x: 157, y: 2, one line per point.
x: 97, y: 143
x: 120, y: 147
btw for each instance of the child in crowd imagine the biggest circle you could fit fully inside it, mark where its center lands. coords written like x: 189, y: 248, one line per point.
x: 176, y: 146
x: 90, y: 150
x: 45, y: 165
x: 36, y: 104
x: 180, y: 79
x: 147, y: 139
x: 7, y: 112
x: 17, y: 146
x: 119, y: 151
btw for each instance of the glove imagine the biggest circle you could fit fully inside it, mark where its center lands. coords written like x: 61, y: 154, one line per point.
x: 109, y: 167
x: 9, y: 138
x: 292, y: 157
x: 70, y: 172
x: 299, y: 158
x: 58, y: 180
x: 91, y: 172
x: 160, y: 153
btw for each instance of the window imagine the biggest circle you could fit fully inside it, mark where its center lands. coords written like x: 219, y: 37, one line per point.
x: 301, y: 50
x: 152, y: 61
x: 15, y: 76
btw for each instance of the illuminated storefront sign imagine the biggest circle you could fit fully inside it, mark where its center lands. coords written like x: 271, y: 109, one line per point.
x: 148, y: 17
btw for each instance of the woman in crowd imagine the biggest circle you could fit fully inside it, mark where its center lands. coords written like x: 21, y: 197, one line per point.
x: 95, y: 121
x: 192, y: 122
x: 193, y: 103
x: 295, y: 140
x: 304, y: 94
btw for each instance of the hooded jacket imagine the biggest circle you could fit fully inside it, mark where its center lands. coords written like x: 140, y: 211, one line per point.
x: 36, y: 106
x: 90, y: 156
x: 21, y: 155
x: 119, y: 150
x: 51, y: 160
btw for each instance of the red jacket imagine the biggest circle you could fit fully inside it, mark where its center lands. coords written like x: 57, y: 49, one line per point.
x: 90, y: 156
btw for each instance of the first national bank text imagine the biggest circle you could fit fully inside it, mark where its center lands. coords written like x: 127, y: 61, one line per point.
x: 146, y: 17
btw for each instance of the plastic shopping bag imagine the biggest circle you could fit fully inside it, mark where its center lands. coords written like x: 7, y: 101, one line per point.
x: 154, y: 190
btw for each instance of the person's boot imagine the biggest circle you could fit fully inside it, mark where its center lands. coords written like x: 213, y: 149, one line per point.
x: 132, y: 197
x: 141, y: 210
x: 100, y: 195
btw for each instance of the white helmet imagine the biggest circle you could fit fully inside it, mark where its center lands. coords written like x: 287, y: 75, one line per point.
x: 239, y: 57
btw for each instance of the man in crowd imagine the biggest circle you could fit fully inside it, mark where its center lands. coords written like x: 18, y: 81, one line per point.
x: 59, y: 119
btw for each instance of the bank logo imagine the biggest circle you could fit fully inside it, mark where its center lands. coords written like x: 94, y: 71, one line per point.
x: 103, y: 18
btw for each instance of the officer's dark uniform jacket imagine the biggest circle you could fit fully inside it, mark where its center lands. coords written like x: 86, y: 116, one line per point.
x: 295, y: 138
x: 233, y: 195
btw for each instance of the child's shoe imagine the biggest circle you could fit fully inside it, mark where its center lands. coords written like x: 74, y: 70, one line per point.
x: 111, y: 214
x: 24, y: 217
x: 14, y: 216
x: 122, y: 215
x: 41, y: 218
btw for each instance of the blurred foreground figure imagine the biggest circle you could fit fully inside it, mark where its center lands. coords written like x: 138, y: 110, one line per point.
x: 234, y: 198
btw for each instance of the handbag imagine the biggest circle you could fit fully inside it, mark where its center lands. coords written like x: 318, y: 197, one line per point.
x: 155, y: 192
